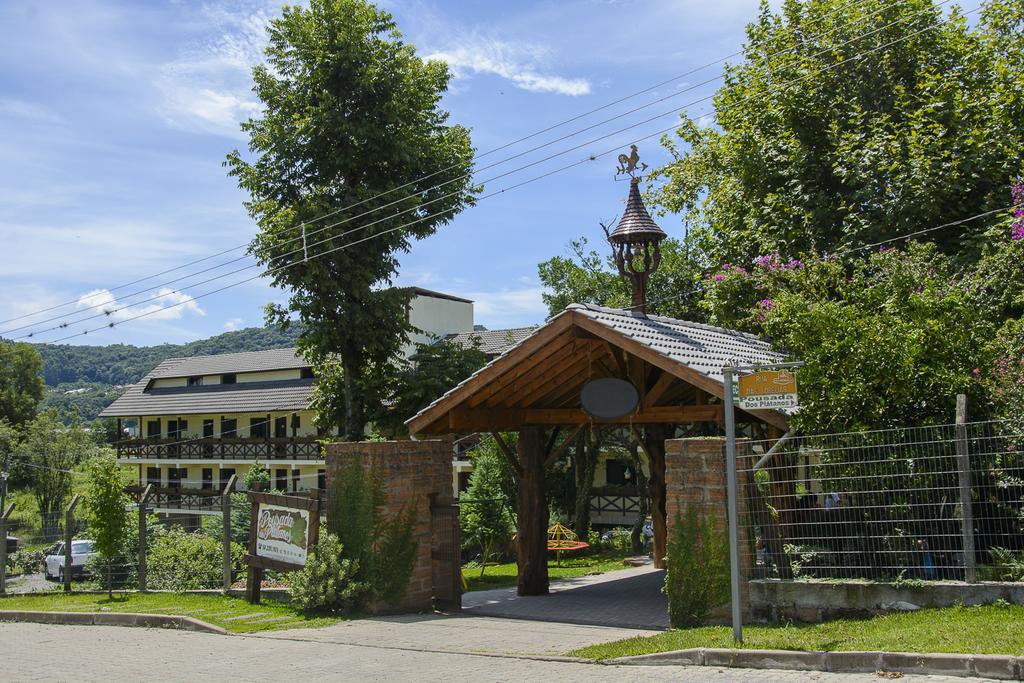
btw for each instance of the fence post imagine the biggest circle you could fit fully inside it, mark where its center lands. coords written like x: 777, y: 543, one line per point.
x: 143, y: 544
x: 966, y: 510
x: 4, y: 516
x: 225, y: 502
x: 69, y: 534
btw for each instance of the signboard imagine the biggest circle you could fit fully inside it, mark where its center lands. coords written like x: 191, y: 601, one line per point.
x: 767, y: 390
x: 283, y: 530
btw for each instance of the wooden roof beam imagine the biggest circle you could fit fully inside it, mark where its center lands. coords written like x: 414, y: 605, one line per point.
x: 483, y: 419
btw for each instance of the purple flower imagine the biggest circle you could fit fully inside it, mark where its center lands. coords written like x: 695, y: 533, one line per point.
x: 977, y: 373
x: 719, y: 277
x: 1017, y: 193
x: 766, y: 304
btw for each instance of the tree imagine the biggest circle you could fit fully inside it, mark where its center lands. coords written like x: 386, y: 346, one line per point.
x: 415, y: 383
x: 351, y: 125
x: 106, y: 505
x: 50, y: 452
x: 21, y: 386
x: 486, y: 519
x: 814, y: 149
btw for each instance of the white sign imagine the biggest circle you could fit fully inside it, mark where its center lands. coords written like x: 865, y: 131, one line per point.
x: 282, y: 533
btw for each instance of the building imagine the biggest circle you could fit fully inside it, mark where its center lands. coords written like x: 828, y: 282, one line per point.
x: 436, y: 315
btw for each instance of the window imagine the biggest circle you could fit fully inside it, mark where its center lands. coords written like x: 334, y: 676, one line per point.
x: 153, y: 429
x: 225, y: 475
x: 259, y: 427
x: 281, y: 479
x: 153, y: 476
x: 207, y: 478
x: 321, y: 479
x: 296, y: 423
x: 228, y: 427
x: 280, y: 427
x: 174, y: 477
x: 229, y: 378
x: 295, y: 480
x: 176, y: 428
x: 196, y: 381
x: 306, y: 373
x: 618, y: 473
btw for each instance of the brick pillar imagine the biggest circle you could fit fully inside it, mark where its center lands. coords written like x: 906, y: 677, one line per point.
x: 695, y: 475
x: 418, y: 473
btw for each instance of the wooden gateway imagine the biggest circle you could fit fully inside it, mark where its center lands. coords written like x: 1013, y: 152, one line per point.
x: 535, y: 388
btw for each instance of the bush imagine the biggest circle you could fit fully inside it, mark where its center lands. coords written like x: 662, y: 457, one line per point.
x: 180, y: 561
x: 328, y: 581
x: 698, y: 569
x: 26, y: 561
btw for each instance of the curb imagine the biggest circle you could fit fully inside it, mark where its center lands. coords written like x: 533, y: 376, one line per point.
x: 111, y: 619
x: 1001, y: 667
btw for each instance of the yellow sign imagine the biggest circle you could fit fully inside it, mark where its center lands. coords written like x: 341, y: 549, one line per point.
x: 768, y: 389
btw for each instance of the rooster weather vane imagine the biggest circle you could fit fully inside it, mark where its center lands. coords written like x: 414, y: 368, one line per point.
x: 628, y: 164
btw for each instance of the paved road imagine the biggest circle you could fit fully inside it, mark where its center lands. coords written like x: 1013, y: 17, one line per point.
x: 34, y: 652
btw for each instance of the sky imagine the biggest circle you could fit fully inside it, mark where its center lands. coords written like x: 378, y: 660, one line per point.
x: 116, y: 117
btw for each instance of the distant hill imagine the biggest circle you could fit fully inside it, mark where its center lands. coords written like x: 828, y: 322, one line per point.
x: 87, y: 378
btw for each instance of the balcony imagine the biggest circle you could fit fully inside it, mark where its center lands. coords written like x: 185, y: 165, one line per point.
x: 290, y: 448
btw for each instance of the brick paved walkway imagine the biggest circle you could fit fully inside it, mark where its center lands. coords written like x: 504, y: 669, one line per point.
x: 628, y: 598
x: 36, y: 652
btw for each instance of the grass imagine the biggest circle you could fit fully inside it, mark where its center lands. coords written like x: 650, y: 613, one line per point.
x: 218, y: 610
x: 504, y: 575
x: 988, y: 629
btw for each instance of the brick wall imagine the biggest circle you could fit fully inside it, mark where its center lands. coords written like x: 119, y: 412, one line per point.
x: 416, y: 473
x: 695, y: 474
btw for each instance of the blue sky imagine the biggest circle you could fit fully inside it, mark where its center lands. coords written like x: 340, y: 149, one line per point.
x: 115, y: 118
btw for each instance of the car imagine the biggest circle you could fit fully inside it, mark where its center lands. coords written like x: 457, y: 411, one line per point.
x: 81, y: 551
x: 12, y: 544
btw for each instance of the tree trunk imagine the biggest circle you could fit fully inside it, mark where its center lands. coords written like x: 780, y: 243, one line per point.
x: 654, y: 444
x: 355, y: 420
x: 531, y: 556
x: 110, y: 583
x: 643, y: 502
x: 587, y: 451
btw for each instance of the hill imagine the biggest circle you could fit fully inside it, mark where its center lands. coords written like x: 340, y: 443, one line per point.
x: 87, y: 378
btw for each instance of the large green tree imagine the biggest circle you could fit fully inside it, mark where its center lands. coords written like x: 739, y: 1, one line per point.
x: 351, y: 125
x: 21, y: 386
x: 829, y: 133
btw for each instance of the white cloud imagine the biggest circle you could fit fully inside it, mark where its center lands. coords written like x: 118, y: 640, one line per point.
x: 520, y: 63
x: 166, y: 304
x: 233, y: 324
x: 509, y: 307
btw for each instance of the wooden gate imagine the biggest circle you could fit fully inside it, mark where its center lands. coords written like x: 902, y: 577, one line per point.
x: 445, y: 556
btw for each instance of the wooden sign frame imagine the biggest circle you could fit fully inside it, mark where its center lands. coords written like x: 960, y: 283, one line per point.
x: 257, y: 564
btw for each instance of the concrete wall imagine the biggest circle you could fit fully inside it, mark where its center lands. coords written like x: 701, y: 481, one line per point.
x: 414, y: 472
x: 240, y: 377
x: 812, y: 601
x: 437, y: 317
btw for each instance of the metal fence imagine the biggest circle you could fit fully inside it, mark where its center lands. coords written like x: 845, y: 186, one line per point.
x: 922, y: 503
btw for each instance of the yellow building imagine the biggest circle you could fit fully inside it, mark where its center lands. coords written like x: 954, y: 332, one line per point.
x: 191, y: 423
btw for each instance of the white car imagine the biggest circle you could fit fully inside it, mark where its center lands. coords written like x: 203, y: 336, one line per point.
x: 81, y: 551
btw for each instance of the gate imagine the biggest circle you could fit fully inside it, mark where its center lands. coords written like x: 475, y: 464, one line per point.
x: 445, y: 556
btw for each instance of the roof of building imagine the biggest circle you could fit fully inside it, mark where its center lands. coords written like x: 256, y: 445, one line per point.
x: 244, y: 397
x: 694, y: 352
x: 636, y: 224
x: 492, y: 342
x: 420, y: 291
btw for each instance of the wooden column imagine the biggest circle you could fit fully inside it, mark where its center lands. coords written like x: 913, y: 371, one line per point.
x: 654, y: 446
x: 533, y: 514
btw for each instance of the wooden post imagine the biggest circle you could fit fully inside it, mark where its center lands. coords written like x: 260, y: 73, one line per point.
x: 4, y: 516
x: 143, y: 543
x: 531, y: 557
x: 654, y: 447
x: 69, y: 533
x: 225, y: 502
x: 966, y: 505
x: 254, y: 575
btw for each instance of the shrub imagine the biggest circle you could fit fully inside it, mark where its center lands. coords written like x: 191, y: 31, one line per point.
x: 698, y: 569
x: 328, y: 581
x: 180, y: 561
x: 1006, y: 565
x: 26, y: 561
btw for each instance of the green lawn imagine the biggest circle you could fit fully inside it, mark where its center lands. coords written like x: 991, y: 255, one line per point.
x: 989, y: 629
x: 219, y: 610
x: 504, y: 575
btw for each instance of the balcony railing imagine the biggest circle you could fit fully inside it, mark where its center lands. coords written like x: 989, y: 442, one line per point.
x: 291, y: 448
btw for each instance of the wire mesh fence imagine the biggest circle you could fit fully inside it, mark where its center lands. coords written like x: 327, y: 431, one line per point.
x: 921, y: 503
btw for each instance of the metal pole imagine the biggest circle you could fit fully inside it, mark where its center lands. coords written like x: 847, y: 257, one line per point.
x: 4, y: 515
x: 966, y: 510
x: 734, y: 523
x: 225, y: 502
x: 69, y: 532
x: 143, y: 543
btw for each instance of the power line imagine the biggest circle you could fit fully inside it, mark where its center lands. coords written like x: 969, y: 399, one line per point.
x: 109, y: 311
x: 505, y: 146
x: 503, y: 190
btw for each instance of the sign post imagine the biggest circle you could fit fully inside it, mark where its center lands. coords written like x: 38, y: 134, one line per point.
x: 765, y: 387
x: 282, y: 531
